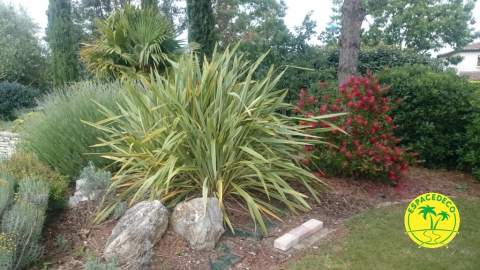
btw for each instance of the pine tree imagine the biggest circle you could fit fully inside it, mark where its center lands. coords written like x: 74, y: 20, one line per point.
x: 63, y: 42
x: 201, y: 25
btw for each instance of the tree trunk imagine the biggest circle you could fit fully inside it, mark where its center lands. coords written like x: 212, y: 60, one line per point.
x: 353, y: 13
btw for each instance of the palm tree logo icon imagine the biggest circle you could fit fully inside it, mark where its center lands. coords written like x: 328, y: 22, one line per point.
x: 432, y: 220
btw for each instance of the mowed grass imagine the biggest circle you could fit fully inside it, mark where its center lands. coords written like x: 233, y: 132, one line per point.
x: 376, y: 239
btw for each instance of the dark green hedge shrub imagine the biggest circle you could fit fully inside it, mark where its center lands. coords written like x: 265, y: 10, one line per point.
x: 435, y: 111
x: 470, y: 158
x: 14, y: 96
x: 323, y: 62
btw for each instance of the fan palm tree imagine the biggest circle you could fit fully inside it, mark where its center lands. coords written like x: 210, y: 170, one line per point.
x: 428, y: 211
x: 130, y: 43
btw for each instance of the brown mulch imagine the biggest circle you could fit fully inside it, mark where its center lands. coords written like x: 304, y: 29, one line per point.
x: 346, y: 197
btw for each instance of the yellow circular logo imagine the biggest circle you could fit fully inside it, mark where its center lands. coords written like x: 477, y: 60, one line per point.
x: 432, y: 220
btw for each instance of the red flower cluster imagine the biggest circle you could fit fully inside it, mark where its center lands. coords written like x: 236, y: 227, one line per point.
x: 369, y: 148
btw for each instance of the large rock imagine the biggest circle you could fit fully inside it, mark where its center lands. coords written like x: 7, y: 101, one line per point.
x: 133, y: 238
x: 199, y: 226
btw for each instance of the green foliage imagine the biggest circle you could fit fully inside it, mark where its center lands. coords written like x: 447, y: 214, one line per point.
x: 420, y: 25
x: 94, y: 263
x: 63, y: 42
x: 14, y: 96
x: 95, y: 179
x: 22, y: 57
x: 201, y: 25
x: 23, y: 223
x: 239, y: 19
x: 131, y: 42
x: 210, y: 131
x: 323, y: 62
x: 470, y: 154
x: 56, y: 134
x: 6, y: 190
x: 26, y: 165
x: 435, y: 110
x: 149, y: 4
x: 377, y: 58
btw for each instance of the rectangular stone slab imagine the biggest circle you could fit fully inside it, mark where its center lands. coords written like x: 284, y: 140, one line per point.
x: 297, y: 234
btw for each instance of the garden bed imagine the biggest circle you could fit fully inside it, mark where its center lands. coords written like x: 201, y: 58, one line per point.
x: 71, y: 237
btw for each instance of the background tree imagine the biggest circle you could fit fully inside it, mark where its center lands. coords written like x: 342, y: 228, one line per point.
x: 201, y: 25
x: 22, y: 57
x: 85, y: 12
x: 353, y: 14
x: 237, y: 19
x: 62, y: 41
x: 421, y: 25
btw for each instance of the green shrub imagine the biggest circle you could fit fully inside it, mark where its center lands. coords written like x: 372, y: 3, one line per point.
x: 6, y: 190
x: 208, y: 131
x: 57, y: 135
x: 94, y: 263
x: 23, y: 224
x: 435, y: 110
x: 14, y: 96
x: 324, y: 62
x: 26, y: 165
x: 470, y: 154
x: 95, y: 179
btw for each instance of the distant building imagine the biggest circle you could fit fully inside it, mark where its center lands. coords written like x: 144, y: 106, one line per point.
x: 470, y: 64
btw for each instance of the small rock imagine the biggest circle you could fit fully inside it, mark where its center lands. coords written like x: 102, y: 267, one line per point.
x: 132, y: 240
x: 201, y: 227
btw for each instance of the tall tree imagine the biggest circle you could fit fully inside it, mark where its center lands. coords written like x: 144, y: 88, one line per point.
x: 201, y: 25
x: 353, y: 14
x: 421, y: 25
x: 149, y: 4
x: 63, y: 42
x: 22, y: 57
x: 237, y: 19
x: 85, y: 12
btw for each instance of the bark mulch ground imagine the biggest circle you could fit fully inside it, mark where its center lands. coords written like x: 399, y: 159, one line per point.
x: 71, y: 237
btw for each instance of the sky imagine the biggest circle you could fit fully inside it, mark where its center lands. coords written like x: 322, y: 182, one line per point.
x: 297, y: 9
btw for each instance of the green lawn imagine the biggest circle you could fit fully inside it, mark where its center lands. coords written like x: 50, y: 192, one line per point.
x: 376, y: 240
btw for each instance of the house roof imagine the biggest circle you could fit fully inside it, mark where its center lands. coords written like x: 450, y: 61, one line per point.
x: 472, y: 75
x: 472, y: 47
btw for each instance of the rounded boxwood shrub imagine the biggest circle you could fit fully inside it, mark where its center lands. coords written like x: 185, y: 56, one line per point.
x: 435, y: 109
x: 14, y: 96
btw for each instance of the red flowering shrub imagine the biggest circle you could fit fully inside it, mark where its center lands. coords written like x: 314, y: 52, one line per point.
x: 367, y: 147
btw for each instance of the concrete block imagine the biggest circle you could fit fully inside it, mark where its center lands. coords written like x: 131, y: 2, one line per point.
x: 297, y: 234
